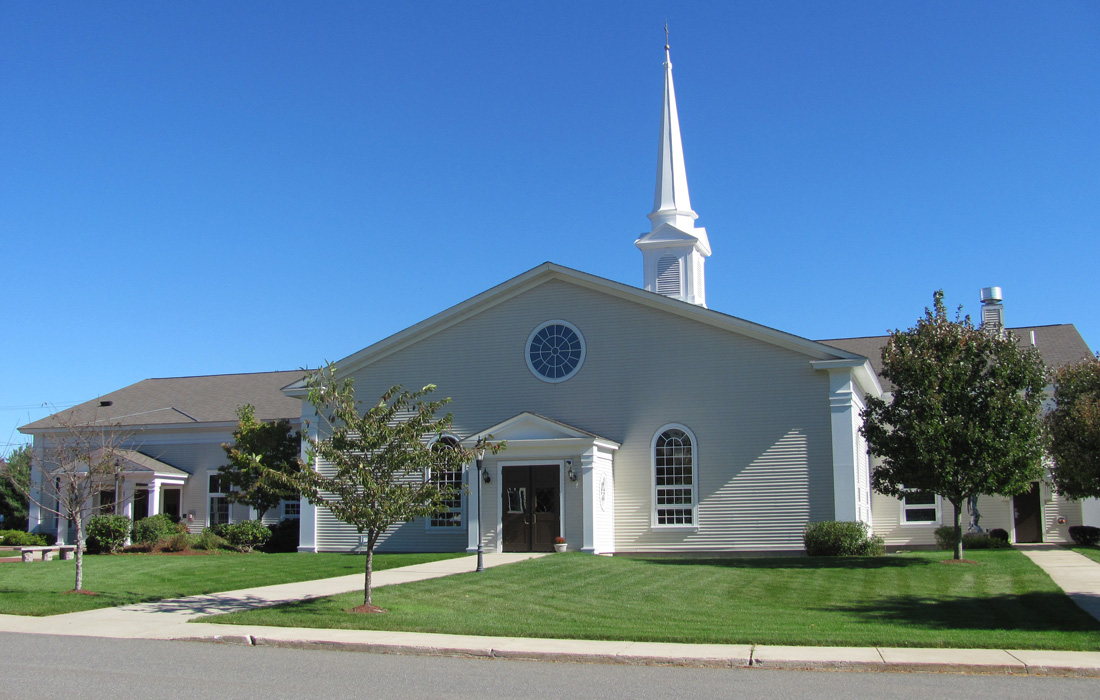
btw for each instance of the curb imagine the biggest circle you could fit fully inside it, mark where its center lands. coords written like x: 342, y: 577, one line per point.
x: 812, y: 661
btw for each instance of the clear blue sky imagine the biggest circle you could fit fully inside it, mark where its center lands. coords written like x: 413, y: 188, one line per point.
x: 208, y: 187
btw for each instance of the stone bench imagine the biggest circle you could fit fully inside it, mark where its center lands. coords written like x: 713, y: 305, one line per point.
x: 67, y: 551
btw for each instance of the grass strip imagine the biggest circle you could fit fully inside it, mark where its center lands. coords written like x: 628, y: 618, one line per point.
x: 1001, y: 601
x: 40, y: 588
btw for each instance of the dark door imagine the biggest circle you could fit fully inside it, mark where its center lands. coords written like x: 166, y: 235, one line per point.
x: 529, y: 510
x: 171, y: 503
x: 1028, y: 513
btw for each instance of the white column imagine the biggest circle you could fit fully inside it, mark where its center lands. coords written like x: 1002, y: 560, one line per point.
x: 307, y: 520
x: 127, y: 497
x: 845, y: 433
x: 34, y: 512
x: 473, y: 486
x: 588, y: 498
x: 154, y: 497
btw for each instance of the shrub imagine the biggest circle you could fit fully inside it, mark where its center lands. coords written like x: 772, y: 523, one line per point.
x: 998, y: 533
x: 179, y: 542
x: 246, y: 535
x: 835, y: 538
x: 19, y: 538
x: 982, y: 540
x: 945, y: 536
x: 284, y: 536
x: 208, y: 540
x: 107, y: 533
x: 153, y: 529
x: 1084, y: 534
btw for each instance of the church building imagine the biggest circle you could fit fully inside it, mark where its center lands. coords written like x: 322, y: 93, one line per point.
x: 637, y: 420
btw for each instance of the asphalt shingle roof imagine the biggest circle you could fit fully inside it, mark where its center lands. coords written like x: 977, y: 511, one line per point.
x: 1059, y: 345
x: 174, y: 400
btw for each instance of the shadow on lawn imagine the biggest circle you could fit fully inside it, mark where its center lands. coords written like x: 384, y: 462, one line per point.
x: 794, y: 562
x: 1047, y: 611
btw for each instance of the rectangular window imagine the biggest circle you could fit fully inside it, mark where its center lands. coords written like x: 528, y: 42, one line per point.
x: 105, y: 502
x: 219, y: 505
x: 451, y: 514
x: 920, y: 508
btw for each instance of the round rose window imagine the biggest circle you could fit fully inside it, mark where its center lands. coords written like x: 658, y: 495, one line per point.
x: 555, y: 351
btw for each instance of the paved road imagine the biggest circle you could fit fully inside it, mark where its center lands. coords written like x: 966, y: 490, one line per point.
x: 73, y: 668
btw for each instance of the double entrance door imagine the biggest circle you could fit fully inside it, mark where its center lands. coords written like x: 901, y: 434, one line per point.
x: 530, y: 512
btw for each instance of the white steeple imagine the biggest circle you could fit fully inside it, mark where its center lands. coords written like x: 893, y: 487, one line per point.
x: 674, y: 251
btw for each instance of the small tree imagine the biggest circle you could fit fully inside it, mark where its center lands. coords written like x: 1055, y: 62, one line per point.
x: 370, y: 466
x: 14, y: 488
x: 80, y: 458
x: 1074, y: 426
x: 964, y: 418
x: 261, y: 449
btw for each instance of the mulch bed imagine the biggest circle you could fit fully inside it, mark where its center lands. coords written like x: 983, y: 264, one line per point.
x: 368, y: 609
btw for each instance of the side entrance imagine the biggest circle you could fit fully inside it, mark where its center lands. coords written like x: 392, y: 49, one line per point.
x: 1028, y: 515
x: 530, y: 508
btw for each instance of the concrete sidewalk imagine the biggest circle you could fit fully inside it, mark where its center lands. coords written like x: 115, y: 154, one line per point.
x: 1074, y: 573
x: 168, y: 619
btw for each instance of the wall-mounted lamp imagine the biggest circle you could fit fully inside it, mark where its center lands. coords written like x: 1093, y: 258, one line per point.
x: 571, y: 474
x: 485, y: 477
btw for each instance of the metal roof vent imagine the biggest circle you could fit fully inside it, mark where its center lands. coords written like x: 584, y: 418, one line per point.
x: 993, y: 312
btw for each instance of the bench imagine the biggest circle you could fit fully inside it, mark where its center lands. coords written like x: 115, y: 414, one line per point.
x: 67, y: 551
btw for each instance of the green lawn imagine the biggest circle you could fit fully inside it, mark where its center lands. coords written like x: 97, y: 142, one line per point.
x: 39, y: 588
x: 1003, y: 601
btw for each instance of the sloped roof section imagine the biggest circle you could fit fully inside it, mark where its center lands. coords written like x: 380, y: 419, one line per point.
x: 1059, y: 345
x: 143, y: 462
x: 185, y: 400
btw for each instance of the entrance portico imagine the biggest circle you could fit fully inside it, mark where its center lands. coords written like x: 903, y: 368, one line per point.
x: 552, y: 480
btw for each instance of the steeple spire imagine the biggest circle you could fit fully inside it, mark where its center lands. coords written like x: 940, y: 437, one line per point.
x: 674, y: 250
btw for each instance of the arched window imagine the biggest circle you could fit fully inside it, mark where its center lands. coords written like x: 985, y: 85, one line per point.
x: 674, y: 497
x: 450, y: 515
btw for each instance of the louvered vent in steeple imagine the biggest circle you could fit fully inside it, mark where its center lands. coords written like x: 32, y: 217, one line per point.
x: 668, y: 276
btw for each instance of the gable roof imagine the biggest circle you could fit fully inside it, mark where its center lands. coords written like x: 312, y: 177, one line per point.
x: 1059, y: 344
x: 184, y: 400
x: 547, y: 272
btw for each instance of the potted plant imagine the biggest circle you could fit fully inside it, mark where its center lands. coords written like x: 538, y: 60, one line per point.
x: 559, y: 544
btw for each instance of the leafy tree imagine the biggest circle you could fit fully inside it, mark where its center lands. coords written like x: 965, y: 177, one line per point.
x: 1074, y: 426
x: 370, y: 465
x: 13, y: 490
x: 259, y: 450
x: 964, y: 418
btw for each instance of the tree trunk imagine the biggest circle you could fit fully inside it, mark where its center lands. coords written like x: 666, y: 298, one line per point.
x: 79, y: 554
x: 958, y: 530
x: 369, y: 571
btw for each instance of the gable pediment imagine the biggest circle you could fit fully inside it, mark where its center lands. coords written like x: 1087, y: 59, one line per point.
x: 667, y: 236
x: 549, y: 272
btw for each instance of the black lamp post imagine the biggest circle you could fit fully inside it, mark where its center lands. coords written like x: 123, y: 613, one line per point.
x: 480, y: 548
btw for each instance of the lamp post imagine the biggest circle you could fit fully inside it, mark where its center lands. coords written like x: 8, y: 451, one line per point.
x: 480, y: 548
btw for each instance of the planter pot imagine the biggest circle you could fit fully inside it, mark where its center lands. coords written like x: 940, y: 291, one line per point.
x: 560, y: 547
